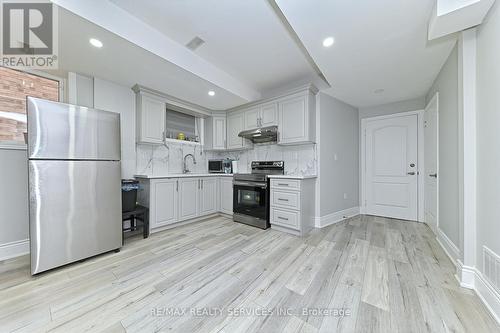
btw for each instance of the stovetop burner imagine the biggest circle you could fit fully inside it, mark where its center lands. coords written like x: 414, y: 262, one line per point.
x: 260, y: 170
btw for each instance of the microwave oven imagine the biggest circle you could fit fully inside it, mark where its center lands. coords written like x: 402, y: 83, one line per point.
x: 216, y: 166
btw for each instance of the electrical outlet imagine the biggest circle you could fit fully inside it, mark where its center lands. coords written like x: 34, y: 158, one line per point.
x: 345, y: 195
x: 335, y: 157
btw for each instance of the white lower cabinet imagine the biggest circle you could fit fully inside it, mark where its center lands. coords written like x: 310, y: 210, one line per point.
x: 162, y: 201
x: 292, y: 205
x: 226, y: 195
x: 188, y: 198
x: 173, y: 200
x: 208, y: 196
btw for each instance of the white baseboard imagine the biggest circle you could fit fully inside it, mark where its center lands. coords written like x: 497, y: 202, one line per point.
x: 324, y: 221
x: 448, y: 246
x: 471, y: 278
x: 487, y: 294
x: 14, y: 249
x: 466, y: 275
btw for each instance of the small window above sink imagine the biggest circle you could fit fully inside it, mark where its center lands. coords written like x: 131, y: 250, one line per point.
x: 181, y: 126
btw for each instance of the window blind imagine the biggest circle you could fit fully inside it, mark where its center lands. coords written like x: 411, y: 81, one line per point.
x: 178, y: 122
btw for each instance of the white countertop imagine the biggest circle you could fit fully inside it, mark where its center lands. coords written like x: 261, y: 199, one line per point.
x: 291, y: 177
x: 185, y: 175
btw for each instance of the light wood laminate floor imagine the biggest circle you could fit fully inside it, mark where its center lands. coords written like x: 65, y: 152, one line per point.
x: 219, y: 276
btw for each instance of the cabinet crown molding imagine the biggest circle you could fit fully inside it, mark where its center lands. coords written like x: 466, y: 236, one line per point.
x: 306, y: 88
x: 175, y: 103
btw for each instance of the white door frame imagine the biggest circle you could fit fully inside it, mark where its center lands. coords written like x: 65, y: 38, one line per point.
x: 435, y: 99
x: 420, y: 163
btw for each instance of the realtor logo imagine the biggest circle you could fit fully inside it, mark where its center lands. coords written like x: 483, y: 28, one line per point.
x: 29, y: 34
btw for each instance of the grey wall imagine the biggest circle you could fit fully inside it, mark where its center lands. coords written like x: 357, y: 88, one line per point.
x: 113, y: 97
x: 488, y: 134
x: 446, y: 84
x: 13, y: 196
x: 338, y: 135
x: 385, y: 109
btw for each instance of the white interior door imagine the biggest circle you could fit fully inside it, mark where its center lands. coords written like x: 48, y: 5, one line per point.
x: 391, y: 151
x: 431, y: 147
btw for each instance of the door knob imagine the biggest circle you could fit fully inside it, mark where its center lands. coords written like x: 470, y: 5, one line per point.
x: 433, y: 175
x: 412, y: 173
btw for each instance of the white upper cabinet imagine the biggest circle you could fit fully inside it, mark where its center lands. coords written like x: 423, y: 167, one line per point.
x: 297, y: 116
x: 215, y: 132
x: 261, y: 116
x: 208, y: 196
x: 294, y: 114
x: 269, y: 114
x: 252, y: 117
x: 235, y: 124
x: 151, y: 111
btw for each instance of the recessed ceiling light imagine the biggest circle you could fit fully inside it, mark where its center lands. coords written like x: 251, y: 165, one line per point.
x: 95, y: 42
x: 327, y: 42
x: 379, y: 91
x: 211, y: 93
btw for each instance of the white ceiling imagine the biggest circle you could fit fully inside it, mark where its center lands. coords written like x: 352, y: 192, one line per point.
x: 248, y: 51
x: 125, y: 63
x: 378, y: 45
x: 244, y: 38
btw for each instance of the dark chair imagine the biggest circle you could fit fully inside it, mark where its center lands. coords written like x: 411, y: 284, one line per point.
x: 140, y: 213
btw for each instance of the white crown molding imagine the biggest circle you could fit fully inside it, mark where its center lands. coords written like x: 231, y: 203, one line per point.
x: 174, y: 102
x: 306, y: 88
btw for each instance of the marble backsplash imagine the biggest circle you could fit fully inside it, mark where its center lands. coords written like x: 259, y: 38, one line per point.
x: 157, y: 160
x: 154, y: 160
x: 299, y: 160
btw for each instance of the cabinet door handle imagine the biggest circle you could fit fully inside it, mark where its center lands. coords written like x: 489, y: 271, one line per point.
x: 202, y: 184
x: 282, y: 218
x: 282, y: 184
x: 177, y: 185
x: 280, y: 199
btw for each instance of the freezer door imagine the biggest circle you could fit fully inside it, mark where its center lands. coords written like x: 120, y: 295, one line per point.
x: 68, y: 132
x: 75, y: 211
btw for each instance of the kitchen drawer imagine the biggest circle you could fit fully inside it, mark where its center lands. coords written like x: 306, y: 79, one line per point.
x: 285, y: 218
x: 290, y: 184
x: 285, y: 199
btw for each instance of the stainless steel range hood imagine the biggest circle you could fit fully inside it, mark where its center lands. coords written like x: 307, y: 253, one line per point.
x: 261, y: 135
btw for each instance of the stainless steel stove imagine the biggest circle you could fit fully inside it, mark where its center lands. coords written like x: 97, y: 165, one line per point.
x: 251, y: 193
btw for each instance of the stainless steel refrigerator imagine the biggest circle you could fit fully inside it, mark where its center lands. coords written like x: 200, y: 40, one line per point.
x: 74, y: 183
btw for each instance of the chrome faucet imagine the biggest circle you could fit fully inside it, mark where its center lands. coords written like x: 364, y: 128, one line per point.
x: 185, y: 168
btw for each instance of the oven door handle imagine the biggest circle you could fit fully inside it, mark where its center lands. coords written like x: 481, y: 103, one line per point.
x: 259, y: 185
